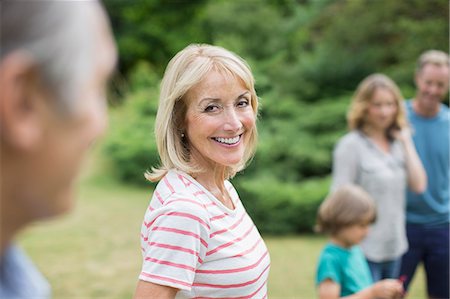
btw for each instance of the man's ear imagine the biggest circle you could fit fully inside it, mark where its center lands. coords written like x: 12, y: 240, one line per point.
x: 20, y: 119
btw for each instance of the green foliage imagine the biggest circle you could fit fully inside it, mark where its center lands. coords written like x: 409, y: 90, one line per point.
x: 153, y: 30
x: 307, y: 58
x: 131, y: 142
x: 282, y: 207
x: 355, y: 38
x: 297, y: 138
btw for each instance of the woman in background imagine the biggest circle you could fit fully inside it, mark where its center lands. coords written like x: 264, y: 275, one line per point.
x: 378, y: 155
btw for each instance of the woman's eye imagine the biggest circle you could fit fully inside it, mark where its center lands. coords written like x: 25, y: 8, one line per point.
x: 376, y: 105
x: 243, y: 103
x: 211, y: 108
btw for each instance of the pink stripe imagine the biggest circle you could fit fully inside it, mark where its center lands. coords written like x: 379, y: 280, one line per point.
x: 144, y: 237
x: 228, y: 229
x: 166, y: 279
x: 187, y: 215
x: 176, y: 265
x: 249, y: 250
x: 229, y: 286
x: 181, y: 232
x: 219, y: 217
x: 242, y: 297
x: 227, y: 271
x: 177, y: 248
x: 211, y: 203
x: 166, y: 181
x: 254, y: 293
x: 158, y: 196
x: 148, y: 224
x: 186, y: 200
x: 230, y: 243
x: 179, y: 214
x: 183, y: 180
x: 199, y: 193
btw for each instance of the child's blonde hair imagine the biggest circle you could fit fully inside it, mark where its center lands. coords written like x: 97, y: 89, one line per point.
x: 346, y: 206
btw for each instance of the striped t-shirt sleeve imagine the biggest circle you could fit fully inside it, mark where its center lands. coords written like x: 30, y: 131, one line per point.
x: 174, y: 239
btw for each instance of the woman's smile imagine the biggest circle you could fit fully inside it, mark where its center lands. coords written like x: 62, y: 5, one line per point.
x: 229, y: 141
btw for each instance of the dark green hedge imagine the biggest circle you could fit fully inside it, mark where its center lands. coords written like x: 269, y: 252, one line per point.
x: 282, y: 207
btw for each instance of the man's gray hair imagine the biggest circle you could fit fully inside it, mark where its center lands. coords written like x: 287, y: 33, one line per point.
x: 53, y: 33
x: 435, y: 57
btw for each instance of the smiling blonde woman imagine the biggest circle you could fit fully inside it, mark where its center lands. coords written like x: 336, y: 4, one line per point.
x: 197, y: 239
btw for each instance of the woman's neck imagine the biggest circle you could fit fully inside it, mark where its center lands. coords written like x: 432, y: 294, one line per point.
x: 214, y: 182
x: 379, y: 137
x: 374, y: 133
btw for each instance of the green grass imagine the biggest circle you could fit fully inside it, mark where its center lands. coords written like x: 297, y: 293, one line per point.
x: 94, y: 252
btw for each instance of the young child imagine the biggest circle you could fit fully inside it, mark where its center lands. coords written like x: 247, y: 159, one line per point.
x: 342, y: 270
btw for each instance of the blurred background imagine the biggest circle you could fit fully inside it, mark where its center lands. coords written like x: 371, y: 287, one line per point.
x: 307, y: 57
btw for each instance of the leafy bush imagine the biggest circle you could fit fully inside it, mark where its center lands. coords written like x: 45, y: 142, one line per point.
x: 280, y: 207
x: 296, y: 139
x: 130, y: 143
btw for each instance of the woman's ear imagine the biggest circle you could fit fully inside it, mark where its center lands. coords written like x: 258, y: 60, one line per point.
x: 20, y: 115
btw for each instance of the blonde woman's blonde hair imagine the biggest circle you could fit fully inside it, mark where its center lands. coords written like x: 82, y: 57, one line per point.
x: 435, y: 57
x: 186, y: 69
x: 346, y: 206
x: 357, y: 114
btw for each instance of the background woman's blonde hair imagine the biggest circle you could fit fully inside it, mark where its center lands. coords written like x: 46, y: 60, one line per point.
x: 347, y: 205
x: 357, y: 114
x: 185, y: 70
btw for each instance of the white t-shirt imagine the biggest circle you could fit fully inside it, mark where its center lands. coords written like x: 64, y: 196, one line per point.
x: 192, y: 242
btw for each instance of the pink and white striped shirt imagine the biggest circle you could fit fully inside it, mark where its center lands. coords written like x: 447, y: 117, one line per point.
x: 192, y: 242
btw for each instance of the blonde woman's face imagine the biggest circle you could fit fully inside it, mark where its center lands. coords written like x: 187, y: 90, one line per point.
x: 219, y: 120
x: 382, y: 109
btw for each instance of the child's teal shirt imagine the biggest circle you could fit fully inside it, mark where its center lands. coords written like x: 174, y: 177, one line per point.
x: 346, y: 267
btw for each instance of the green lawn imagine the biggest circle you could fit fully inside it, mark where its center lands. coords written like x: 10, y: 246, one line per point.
x: 95, y: 253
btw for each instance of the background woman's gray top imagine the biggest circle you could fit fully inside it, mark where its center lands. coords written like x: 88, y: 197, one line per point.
x: 358, y: 160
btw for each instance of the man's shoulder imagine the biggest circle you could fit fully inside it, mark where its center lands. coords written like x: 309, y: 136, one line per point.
x: 445, y: 112
x: 20, y: 278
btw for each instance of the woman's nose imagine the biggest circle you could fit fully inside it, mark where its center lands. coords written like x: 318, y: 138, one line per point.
x: 386, y: 109
x: 232, y: 121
